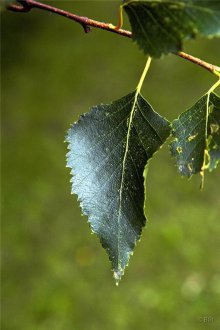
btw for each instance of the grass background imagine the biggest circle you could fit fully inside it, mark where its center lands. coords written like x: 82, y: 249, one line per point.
x: 55, y: 273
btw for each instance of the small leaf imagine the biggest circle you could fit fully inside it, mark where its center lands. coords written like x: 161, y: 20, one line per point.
x: 197, y: 134
x: 214, y: 132
x: 160, y: 27
x: 109, y: 149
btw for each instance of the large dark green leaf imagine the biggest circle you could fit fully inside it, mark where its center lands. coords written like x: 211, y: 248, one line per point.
x: 159, y: 27
x: 109, y: 149
x: 197, y: 136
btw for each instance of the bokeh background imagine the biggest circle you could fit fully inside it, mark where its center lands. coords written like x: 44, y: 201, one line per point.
x: 56, y: 276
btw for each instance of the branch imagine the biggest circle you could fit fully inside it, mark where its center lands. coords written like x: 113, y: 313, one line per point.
x: 86, y: 23
x: 210, y: 67
x: 27, y: 5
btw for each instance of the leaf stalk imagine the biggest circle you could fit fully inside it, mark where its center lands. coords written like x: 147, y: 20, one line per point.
x: 147, y: 66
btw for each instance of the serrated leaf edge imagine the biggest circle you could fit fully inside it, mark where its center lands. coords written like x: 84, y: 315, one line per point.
x: 116, y: 274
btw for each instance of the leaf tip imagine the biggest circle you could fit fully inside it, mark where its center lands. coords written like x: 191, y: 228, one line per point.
x: 118, y: 275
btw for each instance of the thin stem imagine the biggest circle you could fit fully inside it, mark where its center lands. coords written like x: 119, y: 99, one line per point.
x: 27, y: 5
x: 120, y: 18
x: 84, y: 21
x: 210, y: 67
x: 214, y: 86
x: 147, y: 66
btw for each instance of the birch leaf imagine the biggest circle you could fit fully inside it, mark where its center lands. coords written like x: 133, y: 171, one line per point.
x: 109, y: 149
x: 197, y: 136
x: 214, y: 133
x: 160, y: 27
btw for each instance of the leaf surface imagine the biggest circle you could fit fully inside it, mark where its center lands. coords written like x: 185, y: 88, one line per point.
x: 109, y: 149
x: 197, y: 136
x: 214, y: 132
x: 160, y: 27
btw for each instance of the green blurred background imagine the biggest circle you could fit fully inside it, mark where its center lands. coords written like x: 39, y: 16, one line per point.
x: 56, y: 276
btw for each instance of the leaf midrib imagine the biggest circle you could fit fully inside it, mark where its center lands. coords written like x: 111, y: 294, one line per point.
x: 123, y: 173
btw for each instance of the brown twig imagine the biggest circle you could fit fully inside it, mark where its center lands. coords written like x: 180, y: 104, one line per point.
x: 27, y: 5
x: 210, y: 67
